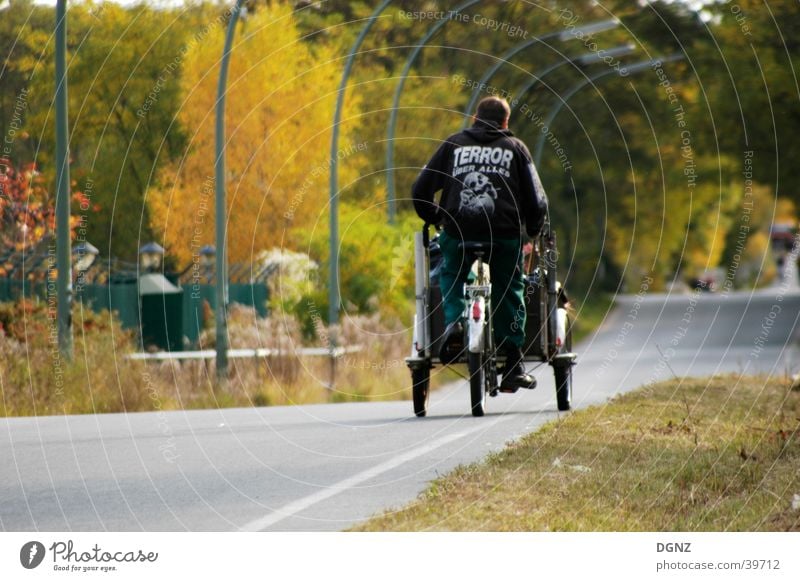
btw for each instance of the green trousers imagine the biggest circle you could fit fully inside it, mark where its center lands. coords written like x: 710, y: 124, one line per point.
x: 508, y: 286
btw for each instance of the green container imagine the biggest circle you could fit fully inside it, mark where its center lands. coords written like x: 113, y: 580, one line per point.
x: 161, y: 313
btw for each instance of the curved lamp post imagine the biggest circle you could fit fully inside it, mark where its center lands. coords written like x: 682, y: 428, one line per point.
x: 583, y: 60
x: 635, y: 68
x: 333, y: 290
x: 221, y: 213
x: 390, y: 185
x: 564, y: 34
x: 63, y: 242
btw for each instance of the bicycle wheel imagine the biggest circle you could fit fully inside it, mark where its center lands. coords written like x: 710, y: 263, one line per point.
x: 420, y: 388
x: 563, y: 387
x: 563, y: 376
x: 477, y: 383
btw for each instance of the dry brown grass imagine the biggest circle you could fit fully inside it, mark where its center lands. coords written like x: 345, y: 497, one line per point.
x: 720, y: 454
x: 36, y: 380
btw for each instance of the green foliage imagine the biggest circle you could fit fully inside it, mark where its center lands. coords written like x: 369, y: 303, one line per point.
x: 124, y: 66
x: 624, y: 208
x: 755, y: 93
x: 376, y: 262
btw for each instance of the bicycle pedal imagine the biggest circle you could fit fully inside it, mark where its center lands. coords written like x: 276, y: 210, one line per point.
x: 493, y: 393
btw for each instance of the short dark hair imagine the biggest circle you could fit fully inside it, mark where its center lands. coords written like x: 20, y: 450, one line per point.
x: 493, y: 109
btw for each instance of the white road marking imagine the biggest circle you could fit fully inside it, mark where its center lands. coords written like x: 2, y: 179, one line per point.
x: 302, y: 504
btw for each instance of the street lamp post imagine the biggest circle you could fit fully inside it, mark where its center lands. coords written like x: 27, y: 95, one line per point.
x: 220, y: 205
x: 551, y: 116
x: 63, y: 242
x: 583, y: 60
x: 564, y: 34
x: 333, y: 291
x: 390, y: 184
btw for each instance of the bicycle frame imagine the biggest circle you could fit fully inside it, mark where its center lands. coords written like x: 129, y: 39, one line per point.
x: 548, y: 321
x: 478, y: 303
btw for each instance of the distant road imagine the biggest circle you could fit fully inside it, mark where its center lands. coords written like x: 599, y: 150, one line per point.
x: 325, y: 467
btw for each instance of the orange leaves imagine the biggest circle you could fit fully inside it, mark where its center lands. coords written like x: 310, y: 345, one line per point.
x: 27, y: 210
x: 279, y: 108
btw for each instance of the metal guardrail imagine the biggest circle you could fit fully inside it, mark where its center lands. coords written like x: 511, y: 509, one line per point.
x: 244, y: 353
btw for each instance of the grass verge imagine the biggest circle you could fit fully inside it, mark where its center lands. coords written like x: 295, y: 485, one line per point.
x: 719, y: 454
x: 588, y: 314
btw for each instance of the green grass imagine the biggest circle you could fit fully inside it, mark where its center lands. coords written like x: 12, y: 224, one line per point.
x: 589, y: 314
x: 721, y: 454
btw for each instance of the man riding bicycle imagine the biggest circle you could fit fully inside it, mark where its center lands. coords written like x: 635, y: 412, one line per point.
x: 491, y: 192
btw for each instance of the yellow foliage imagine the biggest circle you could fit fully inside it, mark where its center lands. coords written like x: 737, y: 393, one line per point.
x: 279, y: 110
x: 785, y: 212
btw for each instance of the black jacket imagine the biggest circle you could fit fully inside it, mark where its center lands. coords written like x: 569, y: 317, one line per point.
x: 490, y: 187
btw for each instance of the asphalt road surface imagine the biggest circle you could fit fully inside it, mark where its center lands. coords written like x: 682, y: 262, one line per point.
x: 326, y: 467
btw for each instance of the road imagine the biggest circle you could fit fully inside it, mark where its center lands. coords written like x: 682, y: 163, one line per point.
x: 326, y: 467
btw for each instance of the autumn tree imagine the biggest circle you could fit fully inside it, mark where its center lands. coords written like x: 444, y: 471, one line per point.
x: 124, y: 69
x: 281, y: 91
x: 27, y: 211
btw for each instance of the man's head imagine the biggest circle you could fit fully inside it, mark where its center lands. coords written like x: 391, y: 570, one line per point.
x: 494, y: 110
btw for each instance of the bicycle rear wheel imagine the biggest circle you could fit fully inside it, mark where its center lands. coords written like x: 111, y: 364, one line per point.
x: 563, y: 375
x: 477, y: 383
x: 420, y: 388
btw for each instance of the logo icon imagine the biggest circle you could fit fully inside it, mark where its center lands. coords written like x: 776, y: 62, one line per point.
x: 31, y: 554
